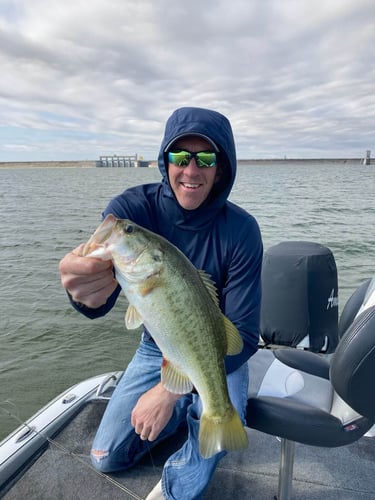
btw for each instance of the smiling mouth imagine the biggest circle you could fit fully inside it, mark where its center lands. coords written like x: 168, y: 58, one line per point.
x: 190, y: 185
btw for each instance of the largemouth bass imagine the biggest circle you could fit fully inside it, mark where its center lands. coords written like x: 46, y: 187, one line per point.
x: 179, y: 307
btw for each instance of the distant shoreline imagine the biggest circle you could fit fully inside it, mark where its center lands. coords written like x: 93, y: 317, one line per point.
x: 48, y: 164
x: 301, y: 160
x: 92, y: 163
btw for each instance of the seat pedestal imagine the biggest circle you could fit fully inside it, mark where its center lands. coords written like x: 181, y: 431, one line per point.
x: 286, y: 469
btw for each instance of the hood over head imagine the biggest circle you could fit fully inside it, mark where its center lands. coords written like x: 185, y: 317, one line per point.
x: 216, y: 129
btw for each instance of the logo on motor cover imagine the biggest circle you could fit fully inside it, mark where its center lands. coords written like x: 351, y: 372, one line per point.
x: 333, y: 301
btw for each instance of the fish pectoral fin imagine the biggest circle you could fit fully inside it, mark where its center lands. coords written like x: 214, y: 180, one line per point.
x: 234, y: 340
x: 132, y: 318
x: 149, y: 284
x: 174, y: 380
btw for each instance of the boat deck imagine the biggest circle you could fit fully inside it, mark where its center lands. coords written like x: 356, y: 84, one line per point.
x: 346, y: 473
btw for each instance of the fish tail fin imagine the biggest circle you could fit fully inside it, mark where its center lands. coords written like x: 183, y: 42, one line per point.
x: 218, y: 434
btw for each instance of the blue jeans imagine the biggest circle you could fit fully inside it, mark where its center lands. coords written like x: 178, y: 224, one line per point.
x: 186, y: 474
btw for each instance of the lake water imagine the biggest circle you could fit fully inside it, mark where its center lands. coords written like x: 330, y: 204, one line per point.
x: 45, y: 346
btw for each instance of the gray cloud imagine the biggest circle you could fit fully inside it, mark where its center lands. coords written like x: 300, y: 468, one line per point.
x: 81, y: 78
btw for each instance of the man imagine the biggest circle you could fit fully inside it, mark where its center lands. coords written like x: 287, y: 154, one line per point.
x: 190, y: 208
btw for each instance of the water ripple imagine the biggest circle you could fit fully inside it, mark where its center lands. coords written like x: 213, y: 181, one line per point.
x: 45, y: 213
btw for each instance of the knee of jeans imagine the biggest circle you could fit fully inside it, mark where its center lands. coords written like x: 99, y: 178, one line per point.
x: 120, y: 458
x: 100, y: 460
x: 104, y: 461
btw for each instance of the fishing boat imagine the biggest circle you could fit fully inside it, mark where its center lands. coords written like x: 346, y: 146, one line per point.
x: 310, y: 417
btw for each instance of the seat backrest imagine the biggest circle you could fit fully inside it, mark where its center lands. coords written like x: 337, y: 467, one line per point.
x: 352, y: 306
x: 352, y: 370
x: 369, y: 299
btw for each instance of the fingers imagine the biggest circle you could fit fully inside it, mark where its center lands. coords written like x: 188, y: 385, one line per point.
x: 144, y: 432
x: 154, y: 433
x: 74, y: 264
x: 88, y: 280
x: 148, y: 433
x: 143, y: 426
x: 152, y: 412
x: 94, y: 292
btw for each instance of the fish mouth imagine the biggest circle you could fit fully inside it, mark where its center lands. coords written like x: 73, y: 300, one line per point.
x: 100, y: 237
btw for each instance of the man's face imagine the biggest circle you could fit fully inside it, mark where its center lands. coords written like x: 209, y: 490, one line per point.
x: 191, y: 185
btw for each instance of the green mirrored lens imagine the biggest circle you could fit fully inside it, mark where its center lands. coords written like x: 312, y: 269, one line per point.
x: 206, y: 159
x: 179, y: 158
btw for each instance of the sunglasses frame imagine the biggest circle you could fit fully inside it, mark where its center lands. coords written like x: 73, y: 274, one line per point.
x: 189, y: 155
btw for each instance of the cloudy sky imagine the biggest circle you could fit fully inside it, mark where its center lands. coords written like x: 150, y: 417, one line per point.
x: 83, y: 78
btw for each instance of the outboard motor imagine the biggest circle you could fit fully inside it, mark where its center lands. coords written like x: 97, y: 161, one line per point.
x: 300, y: 296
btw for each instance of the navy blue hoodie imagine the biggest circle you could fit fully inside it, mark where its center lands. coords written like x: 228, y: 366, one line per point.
x: 218, y: 236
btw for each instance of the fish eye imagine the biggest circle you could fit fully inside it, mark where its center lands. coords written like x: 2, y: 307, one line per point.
x: 129, y: 229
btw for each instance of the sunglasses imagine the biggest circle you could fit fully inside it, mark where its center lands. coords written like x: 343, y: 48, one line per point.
x: 182, y: 158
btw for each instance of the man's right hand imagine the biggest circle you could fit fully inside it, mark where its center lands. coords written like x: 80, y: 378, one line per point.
x: 89, y: 281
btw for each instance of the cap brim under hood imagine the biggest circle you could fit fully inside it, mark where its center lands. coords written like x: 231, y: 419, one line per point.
x: 202, y: 136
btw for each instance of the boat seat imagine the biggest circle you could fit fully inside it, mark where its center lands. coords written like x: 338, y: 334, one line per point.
x: 362, y: 298
x: 299, y: 297
x: 301, y: 396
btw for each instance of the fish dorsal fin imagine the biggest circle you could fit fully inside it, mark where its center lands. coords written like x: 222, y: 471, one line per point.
x: 210, y: 285
x: 234, y: 340
x: 132, y: 318
x: 173, y: 379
